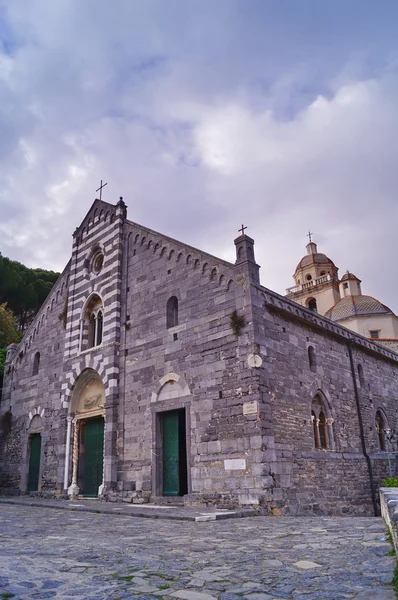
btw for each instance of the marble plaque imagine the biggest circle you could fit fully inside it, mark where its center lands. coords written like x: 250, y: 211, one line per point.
x: 234, y: 464
x: 250, y: 408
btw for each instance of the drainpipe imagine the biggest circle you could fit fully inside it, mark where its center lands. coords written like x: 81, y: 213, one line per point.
x: 361, y: 430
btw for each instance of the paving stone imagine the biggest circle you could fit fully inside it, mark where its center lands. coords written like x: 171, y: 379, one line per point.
x: 306, y: 564
x: 190, y: 595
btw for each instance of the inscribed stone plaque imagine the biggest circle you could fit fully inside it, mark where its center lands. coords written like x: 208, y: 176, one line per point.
x: 250, y: 408
x: 234, y: 464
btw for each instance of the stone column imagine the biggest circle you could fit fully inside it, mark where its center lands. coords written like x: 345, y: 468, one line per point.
x: 110, y: 447
x: 73, y: 489
x: 67, y: 451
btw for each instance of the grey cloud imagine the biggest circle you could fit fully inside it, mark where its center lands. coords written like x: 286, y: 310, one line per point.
x: 153, y: 97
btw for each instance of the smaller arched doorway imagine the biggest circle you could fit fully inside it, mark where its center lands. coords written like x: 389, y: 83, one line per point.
x: 34, y: 450
x: 87, y: 414
x: 172, y: 437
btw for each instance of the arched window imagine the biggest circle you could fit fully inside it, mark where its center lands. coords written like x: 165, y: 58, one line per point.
x: 36, y: 363
x: 92, y: 323
x: 312, y: 358
x: 381, y: 427
x: 321, y: 425
x: 360, y: 376
x: 311, y: 304
x: 172, y: 312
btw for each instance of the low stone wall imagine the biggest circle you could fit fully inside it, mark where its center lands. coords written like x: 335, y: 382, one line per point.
x: 389, y: 511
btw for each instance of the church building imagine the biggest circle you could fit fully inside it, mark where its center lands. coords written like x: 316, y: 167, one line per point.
x: 155, y: 370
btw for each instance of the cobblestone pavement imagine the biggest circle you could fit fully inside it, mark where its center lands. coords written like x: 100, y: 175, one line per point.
x: 47, y: 553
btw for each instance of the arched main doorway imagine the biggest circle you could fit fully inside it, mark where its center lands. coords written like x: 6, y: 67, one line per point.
x: 87, y: 414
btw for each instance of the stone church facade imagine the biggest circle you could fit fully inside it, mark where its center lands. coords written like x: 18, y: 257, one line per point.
x: 154, y: 369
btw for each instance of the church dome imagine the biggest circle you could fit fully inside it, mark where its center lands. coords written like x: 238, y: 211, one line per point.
x: 315, y: 259
x: 357, y: 306
x: 349, y: 276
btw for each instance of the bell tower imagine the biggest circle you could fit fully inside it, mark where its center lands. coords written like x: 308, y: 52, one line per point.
x: 316, y: 281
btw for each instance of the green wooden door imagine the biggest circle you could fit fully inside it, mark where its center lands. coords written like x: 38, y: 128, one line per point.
x: 34, y: 462
x: 93, y: 456
x: 170, y: 435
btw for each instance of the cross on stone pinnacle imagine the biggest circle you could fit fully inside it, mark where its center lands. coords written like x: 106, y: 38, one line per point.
x: 100, y: 189
x: 242, y: 230
x: 309, y: 234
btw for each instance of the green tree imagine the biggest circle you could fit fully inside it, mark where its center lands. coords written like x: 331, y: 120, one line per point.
x: 24, y: 289
x: 8, y: 334
x: 8, y: 327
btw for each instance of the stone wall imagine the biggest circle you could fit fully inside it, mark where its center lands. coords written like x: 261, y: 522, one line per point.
x: 389, y: 512
x: 202, y: 358
x: 27, y: 395
x: 335, y: 480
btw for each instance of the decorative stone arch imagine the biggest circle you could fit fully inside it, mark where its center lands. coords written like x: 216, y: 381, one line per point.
x: 87, y: 395
x: 213, y: 274
x: 229, y: 284
x: 171, y: 386
x: 106, y: 373
x: 322, y: 419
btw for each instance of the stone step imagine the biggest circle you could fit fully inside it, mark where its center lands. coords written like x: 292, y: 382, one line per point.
x: 167, y: 500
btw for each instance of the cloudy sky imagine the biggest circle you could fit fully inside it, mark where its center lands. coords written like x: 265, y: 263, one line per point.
x: 203, y: 114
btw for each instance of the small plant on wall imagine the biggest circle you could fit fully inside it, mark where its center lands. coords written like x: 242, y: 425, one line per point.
x: 237, y: 323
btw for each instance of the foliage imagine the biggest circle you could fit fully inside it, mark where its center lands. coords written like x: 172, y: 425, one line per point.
x: 237, y: 323
x: 8, y: 327
x: 390, y: 482
x: 24, y: 289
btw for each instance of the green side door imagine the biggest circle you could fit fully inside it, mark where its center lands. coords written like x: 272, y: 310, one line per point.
x: 93, y: 456
x: 34, y: 463
x: 170, y: 435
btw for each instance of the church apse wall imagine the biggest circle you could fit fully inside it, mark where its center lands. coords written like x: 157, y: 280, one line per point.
x: 320, y: 458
